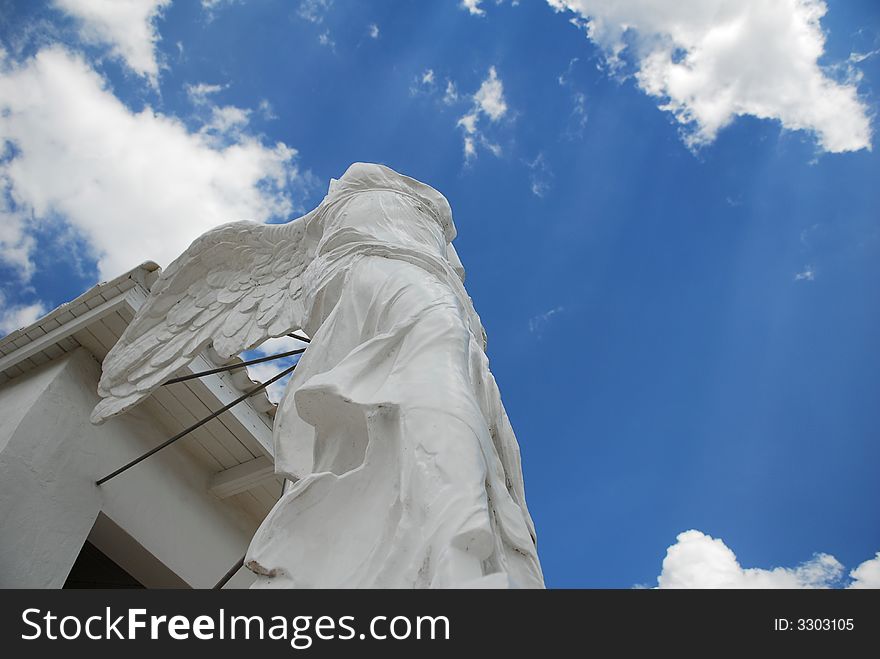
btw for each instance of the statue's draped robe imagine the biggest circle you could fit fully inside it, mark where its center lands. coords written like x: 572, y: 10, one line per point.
x: 406, y: 469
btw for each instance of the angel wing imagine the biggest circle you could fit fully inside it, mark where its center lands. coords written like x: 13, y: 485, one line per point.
x: 236, y: 286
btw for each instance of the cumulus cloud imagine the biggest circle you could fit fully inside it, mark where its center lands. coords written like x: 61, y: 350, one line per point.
x: 490, y: 96
x: 488, y: 101
x: 867, y: 575
x: 226, y: 121
x: 222, y: 124
x: 473, y: 6
x: 135, y: 185
x: 126, y: 26
x: 16, y: 244
x: 373, y: 31
x: 808, y: 274
x: 13, y: 317
x: 710, y: 61
x: 484, y: 107
x: 698, y: 560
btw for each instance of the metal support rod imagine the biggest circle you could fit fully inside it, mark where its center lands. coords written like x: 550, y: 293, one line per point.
x: 198, y: 424
x: 300, y: 338
x: 232, y: 367
x: 226, y: 577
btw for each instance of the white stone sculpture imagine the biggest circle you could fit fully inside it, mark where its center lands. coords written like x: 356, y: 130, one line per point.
x: 404, y: 467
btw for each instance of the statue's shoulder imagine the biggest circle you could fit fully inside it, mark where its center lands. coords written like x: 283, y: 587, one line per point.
x: 364, y: 176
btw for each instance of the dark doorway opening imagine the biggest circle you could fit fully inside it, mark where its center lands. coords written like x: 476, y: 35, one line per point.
x: 94, y: 569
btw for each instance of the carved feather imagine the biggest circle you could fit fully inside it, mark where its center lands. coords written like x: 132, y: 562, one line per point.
x: 234, y: 287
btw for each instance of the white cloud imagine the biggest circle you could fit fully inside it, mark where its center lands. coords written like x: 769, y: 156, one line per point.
x: 214, y: 4
x: 226, y: 122
x: 13, y: 317
x: 424, y: 83
x: 710, y: 61
x: 488, y: 101
x: 577, y: 118
x: 314, y: 11
x: 198, y: 94
x: 492, y: 146
x: 867, y: 575
x: 469, y: 122
x: 539, y: 322
x: 281, y: 344
x: 16, y: 244
x: 564, y: 78
x: 325, y: 40
x: 808, y: 274
x: 266, y: 110
x: 268, y: 370
x: 490, y: 96
x: 475, y: 9
x: 473, y: 6
x: 540, y: 177
x: 373, y: 31
x: 127, y: 26
x: 858, y: 58
x: 450, y: 96
x: 135, y: 185
x: 470, y: 148
x: 697, y: 560
x: 223, y: 123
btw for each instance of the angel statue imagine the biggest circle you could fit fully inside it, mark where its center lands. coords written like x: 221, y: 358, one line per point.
x: 403, y: 470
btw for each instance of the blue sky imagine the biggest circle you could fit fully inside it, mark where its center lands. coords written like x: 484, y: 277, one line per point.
x: 671, y: 231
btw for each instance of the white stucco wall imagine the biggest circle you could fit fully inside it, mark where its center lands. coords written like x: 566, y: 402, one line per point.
x: 18, y: 397
x: 50, y: 457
